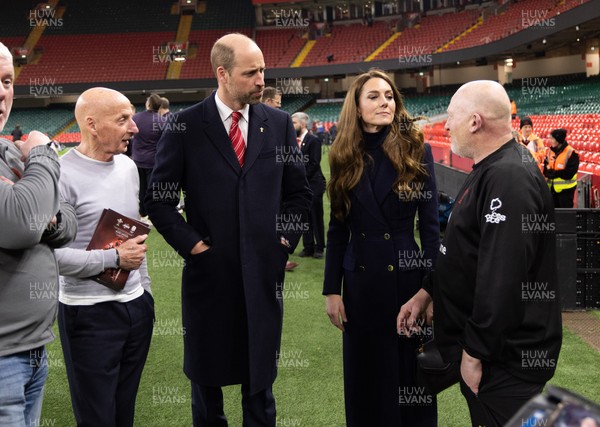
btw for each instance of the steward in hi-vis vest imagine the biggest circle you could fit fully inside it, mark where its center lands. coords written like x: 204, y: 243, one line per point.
x: 560, y: 169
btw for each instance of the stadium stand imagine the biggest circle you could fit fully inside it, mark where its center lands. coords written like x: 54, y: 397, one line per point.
x: 49, y: 120
x: 583, y: 133
x: 556, y: 95
x: 115, y: 16
x: 426, y: 37
x: 100, y: 58
x: 518, y: 17
x: 294, y: 103
x: 84, y: 50
x: 281, y: 45
x: 325, y: 112
x: 425, y: 105
x: 15, y: 19
x: 225, y: 15
x: 344, y: 44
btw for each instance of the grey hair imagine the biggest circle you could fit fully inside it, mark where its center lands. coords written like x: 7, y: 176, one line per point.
x: 303, y: 117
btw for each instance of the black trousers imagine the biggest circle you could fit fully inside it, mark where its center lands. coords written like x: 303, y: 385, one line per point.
x: 564, y: 199
x: 144, y: 174
x: 207, y: 407
x: 314, y: 238
x: 500, y: 396
x: 105, y: 347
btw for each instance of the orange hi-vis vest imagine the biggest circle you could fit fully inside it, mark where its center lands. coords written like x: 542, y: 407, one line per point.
x: 538, y: 151
x: 558, y: 163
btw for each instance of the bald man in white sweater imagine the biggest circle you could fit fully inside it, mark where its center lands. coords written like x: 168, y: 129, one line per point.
x: 105, y: 334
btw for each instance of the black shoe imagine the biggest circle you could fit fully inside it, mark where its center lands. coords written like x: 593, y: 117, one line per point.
x: 318, y: 254
x: 304, y: 253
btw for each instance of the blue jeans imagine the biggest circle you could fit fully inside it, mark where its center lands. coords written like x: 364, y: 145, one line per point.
x: 22, y: 378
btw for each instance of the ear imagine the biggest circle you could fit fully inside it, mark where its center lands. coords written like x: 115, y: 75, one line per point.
x: 90, y: 124
x: 475, y: 123
x: 222, y: 74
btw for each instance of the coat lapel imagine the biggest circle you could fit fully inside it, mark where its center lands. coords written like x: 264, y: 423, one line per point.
x: 217, y: 135
x: 366, y: 197
x: 257, y: 132
x: 386, y: 175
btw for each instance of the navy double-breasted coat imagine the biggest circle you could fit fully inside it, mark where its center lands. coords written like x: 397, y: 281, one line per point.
x: 374, y: 262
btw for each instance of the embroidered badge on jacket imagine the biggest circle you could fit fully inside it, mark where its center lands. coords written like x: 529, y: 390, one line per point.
x: 495, y: 217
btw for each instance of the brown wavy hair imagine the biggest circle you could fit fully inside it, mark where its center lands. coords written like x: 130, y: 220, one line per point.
x: 403, y: 145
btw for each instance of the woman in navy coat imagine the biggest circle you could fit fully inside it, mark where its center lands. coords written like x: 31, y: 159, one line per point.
x: 381, y: 177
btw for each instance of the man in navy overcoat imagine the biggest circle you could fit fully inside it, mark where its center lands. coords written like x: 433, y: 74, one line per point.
x: 246, y: 207
x: 310, y: 147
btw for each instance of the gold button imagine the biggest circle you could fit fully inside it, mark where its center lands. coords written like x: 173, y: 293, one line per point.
x: 390, y: 267
x: 386, y: 236
x: 361, y: 268
x: 363, y: 235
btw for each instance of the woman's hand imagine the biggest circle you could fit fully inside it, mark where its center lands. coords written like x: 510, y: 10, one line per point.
x: 336, y: 311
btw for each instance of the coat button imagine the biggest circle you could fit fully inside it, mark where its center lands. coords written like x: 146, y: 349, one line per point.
x: 361, y: 268
x: 386, y: 236
x: 363, y: 235
x: 390, y: 267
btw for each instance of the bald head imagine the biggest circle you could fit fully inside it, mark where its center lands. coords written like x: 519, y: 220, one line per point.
x: 479, y: 119
x: 226, y: 49
x: 105, y: 119
x: 5, y: 52
x: 486, y: 97
x: 95, y: 102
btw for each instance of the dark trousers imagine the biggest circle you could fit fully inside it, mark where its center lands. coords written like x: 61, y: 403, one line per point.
x: 144, y: 174
x: 105, y: 347
x: 314, y: 238
x: 500, y: 396
x: 207, y: 407
x: 564, y: 199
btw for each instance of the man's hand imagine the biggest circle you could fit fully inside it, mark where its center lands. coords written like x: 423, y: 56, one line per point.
x: 470, y: 370
x: 199, y: 248
x: 34, y: 139
x: 336, y: 311
x: 419, y: 304
x: 132, y: 252
x: 52, y: 224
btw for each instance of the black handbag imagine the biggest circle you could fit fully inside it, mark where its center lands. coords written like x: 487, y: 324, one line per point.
x: 432, y: 372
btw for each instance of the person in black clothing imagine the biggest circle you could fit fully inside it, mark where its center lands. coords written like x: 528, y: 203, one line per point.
x: 332, y: 132
x: 17, y: 133
x: 272, y: 98
x: 494, y: 285
x: 382, y: 176
x: 143, y: 145
x: 560, y: 169
x: 310, y: 146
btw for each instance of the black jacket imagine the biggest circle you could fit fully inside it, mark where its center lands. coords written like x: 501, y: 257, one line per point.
x: 311, y: 151
x: 570, y: 168
x: 495, y: 286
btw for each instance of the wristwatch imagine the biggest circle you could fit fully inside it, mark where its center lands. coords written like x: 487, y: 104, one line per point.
x: 53, y: 144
